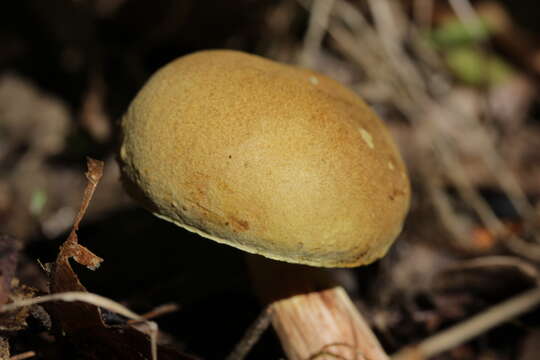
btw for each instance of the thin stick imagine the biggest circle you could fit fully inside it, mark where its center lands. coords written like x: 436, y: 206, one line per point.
x: 157, y: 312
x: 478, y: 324
x: 24, y: 355
x: 252, y: 336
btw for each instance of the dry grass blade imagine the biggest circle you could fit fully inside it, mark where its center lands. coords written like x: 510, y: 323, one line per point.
x: 465, y: 12
x: 252, y: 335
x: 24, y: 355
x: 523, y: 266
x: 318, y: 23
x: 158, y: 311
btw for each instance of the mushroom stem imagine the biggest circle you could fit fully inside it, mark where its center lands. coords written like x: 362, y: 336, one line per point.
x: 314, y: 318
x: 321, y: 323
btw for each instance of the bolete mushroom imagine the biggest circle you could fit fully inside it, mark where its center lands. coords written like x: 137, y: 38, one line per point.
x: 269, y: 158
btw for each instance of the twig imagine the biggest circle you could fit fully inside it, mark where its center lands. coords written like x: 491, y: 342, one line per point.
x: 476, y: 325
x: 158, y: 311
x: 523, y: 248
x: 521, y: 265
x: 24, y: 355
x: 252, y: 335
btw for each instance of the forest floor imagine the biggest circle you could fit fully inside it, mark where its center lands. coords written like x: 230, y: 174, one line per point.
x: 456, y: 82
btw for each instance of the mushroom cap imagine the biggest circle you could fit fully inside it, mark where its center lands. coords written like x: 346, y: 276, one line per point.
x: 269, y: 158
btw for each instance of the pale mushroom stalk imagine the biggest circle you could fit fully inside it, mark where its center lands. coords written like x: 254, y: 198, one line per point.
x: 312, y: 314
x: 278, y: 161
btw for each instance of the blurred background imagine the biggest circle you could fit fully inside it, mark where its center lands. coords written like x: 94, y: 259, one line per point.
x: 456, y: 82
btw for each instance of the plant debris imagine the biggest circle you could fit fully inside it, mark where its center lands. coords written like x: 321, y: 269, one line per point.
x: 456, y: 81
x: 77, y: 318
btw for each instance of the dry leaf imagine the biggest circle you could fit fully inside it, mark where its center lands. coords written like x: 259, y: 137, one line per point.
x: 81, y: 322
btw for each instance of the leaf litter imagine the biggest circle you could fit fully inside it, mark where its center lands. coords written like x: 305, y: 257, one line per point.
x: 76, y: 313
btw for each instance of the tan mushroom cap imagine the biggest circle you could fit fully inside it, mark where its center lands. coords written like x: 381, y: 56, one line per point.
x: 269, y: 158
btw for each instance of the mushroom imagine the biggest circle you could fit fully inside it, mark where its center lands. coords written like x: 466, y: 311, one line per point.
x: 269, y: 158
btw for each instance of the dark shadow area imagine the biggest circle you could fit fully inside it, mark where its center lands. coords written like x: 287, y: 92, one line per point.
x: 149, y: 262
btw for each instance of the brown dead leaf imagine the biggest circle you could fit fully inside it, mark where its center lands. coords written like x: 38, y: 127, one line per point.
x: 71, y: 316
x: 81, y: 322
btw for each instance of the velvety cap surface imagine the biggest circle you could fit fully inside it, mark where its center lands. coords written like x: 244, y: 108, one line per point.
x: 269, y: 158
